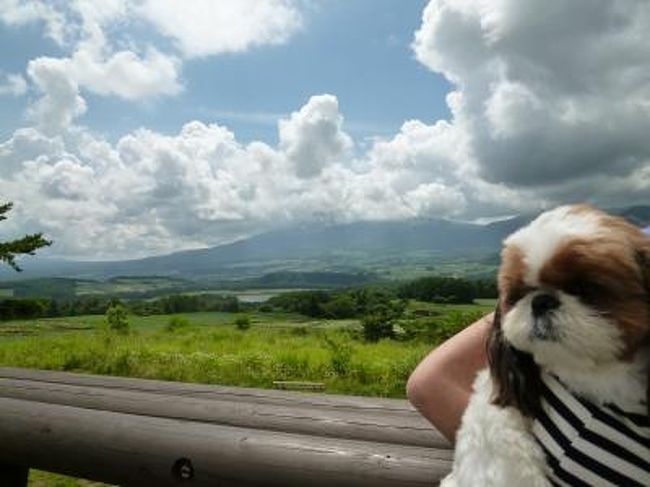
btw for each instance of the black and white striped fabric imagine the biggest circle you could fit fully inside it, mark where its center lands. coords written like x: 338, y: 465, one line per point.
x: 589, y: 445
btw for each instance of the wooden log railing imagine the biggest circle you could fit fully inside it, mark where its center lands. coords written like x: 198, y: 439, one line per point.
x: 143, y: 432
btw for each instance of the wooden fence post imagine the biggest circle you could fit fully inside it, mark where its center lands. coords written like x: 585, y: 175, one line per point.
x: 136, y: 432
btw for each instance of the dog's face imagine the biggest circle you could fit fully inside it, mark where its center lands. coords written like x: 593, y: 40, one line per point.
x: 574, y: 289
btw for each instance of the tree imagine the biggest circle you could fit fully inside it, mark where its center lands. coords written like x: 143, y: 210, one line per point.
x: 340, y: 307
x: 439, y: 290
x: 25, y: 245
x: 117, y: 319
x: 378, y: 323
x: 243, y: 322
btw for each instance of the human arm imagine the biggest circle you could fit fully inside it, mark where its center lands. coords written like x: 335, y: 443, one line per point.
x: 440, y: 386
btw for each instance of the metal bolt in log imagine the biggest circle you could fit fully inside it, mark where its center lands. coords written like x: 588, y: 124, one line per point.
x: 183, y: 469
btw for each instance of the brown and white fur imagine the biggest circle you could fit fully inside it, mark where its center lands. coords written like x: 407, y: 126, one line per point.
x: 574, y: 290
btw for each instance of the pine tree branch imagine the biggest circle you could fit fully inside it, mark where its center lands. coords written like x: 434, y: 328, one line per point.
x: 4, y: 209
x: 26, y: 245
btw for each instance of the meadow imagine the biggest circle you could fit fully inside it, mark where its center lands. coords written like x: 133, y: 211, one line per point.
x: 209, y: 347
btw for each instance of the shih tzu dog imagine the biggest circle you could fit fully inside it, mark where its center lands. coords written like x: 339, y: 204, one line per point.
x: 564, y: 400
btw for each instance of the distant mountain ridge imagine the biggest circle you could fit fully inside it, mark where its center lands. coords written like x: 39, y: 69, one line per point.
x: 351, y: 247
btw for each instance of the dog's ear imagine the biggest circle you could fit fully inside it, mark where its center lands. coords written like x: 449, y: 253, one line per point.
x: 643, y: 258
x: 515, y: 375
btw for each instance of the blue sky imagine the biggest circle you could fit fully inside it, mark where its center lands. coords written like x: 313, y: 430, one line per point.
x: 139, y: 127
x: 366, y: 60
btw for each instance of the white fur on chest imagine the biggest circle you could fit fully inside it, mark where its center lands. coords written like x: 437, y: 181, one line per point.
x: 494, y: 446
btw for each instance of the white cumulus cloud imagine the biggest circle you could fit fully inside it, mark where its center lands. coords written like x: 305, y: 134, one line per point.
x: 312, y: 138
x: 548, y: 92
x: 208, y: 27
x: 94, y: 35
x: 16, y: 13
x: 13, y: 84
x: 201, y: 186
x: 126, y: 74
x: 60, y: 103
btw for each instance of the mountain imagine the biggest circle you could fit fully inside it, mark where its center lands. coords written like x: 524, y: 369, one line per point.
x: 389, y: 249
x: 344, y: 248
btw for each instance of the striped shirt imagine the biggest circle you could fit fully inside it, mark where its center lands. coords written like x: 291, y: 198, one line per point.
x: 590, y: 445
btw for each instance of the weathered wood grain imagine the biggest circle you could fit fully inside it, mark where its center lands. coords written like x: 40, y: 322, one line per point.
x: 130, y: 449
x: 249, y: 394
x: 145, y: 432
x: 372, y: 425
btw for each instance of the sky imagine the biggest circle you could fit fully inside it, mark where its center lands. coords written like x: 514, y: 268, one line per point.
x: 140, y: 127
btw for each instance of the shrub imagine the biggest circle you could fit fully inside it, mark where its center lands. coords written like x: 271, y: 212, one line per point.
x: 176, y: 323
x: 117, y: 319
x: 435, y: 330
x: 340, y: 307
x: 378, y: 323
x: 243, y: 322
x: 300, y: 331
x: 341, y: 351
x: 377, y: 326
x: 11, y: 309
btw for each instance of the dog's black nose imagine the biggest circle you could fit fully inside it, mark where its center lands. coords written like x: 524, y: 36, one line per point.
x: 543, y: 303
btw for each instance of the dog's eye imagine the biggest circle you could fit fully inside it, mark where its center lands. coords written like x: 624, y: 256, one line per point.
x: 583, y: 288
x: 515, y: 295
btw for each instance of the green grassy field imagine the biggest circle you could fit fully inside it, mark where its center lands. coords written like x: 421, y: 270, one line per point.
x: 210, y: 349
x: 125, y: 284
x: 38, y: 478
